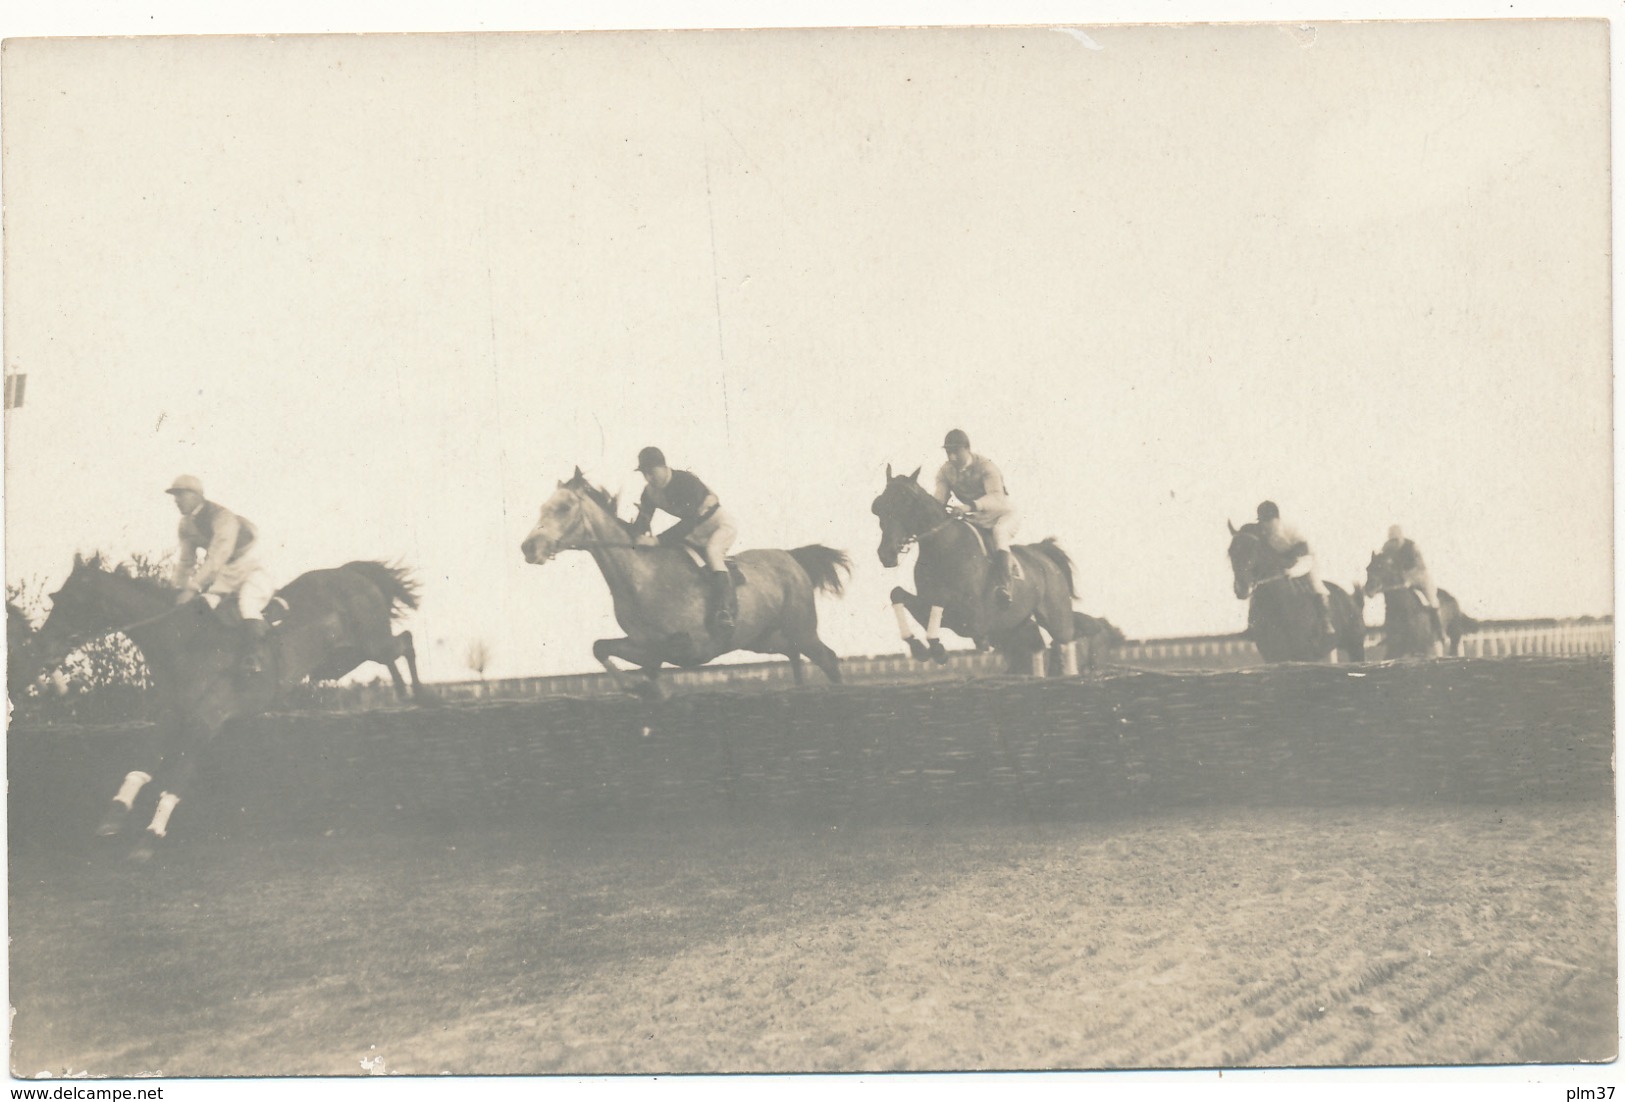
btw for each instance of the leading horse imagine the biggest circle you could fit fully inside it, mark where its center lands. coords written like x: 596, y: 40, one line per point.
x: 1283, y: 619
x: 336, y: 619
x: 954, y: 575
x: 659, y: 593
x: 1410, y: 628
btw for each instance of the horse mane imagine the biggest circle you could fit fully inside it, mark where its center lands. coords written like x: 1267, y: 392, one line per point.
x: 610, y: 503
x: 129, y: 570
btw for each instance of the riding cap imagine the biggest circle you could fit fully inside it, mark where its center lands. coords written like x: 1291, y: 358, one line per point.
x: 956, y: 438
x: 649, y: 459
x: 1395, y: 533
x: 1268, y: 510
x: 186, y: 482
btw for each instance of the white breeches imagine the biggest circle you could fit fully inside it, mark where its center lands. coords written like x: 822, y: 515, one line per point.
x: 250, y: 581
x: 1305, y: 568
x: 996, y: 515
x: 714, y: 539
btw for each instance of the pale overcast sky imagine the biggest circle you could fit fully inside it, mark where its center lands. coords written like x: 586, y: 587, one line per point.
x: 381, y: 293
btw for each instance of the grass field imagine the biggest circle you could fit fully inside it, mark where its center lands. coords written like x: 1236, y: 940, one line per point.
x: 1216, y: 938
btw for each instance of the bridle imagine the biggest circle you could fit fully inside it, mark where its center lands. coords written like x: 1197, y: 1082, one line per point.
x: 78, y: 639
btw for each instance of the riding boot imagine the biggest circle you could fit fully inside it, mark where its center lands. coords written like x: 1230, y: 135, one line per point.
x: 254, y: 633
x: 1001, y: 589
x: 1325, y: 603
x: 722, y: 604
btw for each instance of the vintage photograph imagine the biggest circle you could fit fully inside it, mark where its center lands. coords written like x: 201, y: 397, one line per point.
x: 795, y: 550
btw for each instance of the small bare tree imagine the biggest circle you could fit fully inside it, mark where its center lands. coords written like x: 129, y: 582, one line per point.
x: 477, y: 659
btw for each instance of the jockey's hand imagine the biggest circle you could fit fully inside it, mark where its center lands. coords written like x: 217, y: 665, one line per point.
x: 645, y: 539
x: 188, y: 593
x: 958, y: 512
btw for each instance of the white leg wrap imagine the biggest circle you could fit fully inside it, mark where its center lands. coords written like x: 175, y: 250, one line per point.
x: 133, y: 783
x: 166, y: 807
x: 905, y: 623
x: 1069, y: 659
x: 934, y: 627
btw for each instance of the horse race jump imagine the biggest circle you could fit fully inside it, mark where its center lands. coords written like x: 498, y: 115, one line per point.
x: 955, y: 578
x: 336, y: 619
x: 660, y: 593
x: 1411, y: 627
x: 1283, y: 615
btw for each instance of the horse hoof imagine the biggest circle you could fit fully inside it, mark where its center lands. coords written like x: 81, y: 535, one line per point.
x: 917, y: 649
x: 113, y: 822
x: 939, y: 653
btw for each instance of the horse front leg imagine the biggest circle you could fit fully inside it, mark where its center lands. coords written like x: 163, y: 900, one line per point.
x: 407, y: 649
x: 176, y: 772
x: 905, y: 605
x: 629, y: 650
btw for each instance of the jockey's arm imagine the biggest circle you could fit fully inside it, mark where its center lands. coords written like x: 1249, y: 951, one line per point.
x: 185, y: 562
x: 683, y: 527
x: 646, y: 512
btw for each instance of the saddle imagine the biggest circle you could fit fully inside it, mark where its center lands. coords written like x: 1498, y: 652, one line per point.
x: 229, y: 614
x: 988, y: 549
x: 697, y: 557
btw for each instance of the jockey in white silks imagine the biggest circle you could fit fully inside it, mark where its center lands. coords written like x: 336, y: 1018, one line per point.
x: 1413, y: 571
x: 977, y: 484
x: 230, y: 567
x: 1285, y: 541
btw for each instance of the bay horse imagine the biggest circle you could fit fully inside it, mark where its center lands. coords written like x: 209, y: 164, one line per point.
x: 1409, y: 627
x: 1283, y: 616
x: 660, y: 594
x: 955, y: 580
x: 336, y: 619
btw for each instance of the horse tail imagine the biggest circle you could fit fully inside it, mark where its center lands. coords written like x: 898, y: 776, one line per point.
x: 1468, y: 624
x: 823, y: 566
x: 1052, y: 551
x: 396, y: 583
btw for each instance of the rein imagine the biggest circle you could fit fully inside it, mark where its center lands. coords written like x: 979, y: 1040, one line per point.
x: 947, y: 519
x: 74, y: 642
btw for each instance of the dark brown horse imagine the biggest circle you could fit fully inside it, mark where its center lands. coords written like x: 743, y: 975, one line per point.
x: 659, y: 593
x: 954, y: 575
x: 1410, y: 628
x: 336, y: 620
x: 1283, y: 615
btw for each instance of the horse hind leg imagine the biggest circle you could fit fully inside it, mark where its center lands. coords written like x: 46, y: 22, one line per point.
x: 825, y: 659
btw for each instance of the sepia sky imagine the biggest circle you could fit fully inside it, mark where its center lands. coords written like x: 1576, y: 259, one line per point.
x: 382, y: 293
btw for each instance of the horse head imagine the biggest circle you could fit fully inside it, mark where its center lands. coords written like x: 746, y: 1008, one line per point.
x: 89, y: 603
x: 1248, y: 559
x: 1381, y: 574
x: 905, y: 510
x: 569, y: 518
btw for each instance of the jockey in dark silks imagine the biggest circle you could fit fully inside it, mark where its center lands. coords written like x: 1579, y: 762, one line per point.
x: 1286, y: 542
x: 230, y: 567
x: 977, y: 483
x: 702, y: 524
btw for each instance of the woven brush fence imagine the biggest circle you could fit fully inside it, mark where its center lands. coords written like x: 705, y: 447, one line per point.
x: 1498, y: 731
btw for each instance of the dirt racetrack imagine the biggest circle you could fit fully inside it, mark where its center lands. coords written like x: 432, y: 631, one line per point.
x: 1306, y: 866
x: 1271, y: 938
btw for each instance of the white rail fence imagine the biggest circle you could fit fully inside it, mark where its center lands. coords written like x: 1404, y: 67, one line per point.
x: 1493, y: 640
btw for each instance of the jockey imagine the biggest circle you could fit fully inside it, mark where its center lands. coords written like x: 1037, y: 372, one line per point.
x: 977, y: 483
x: 230, y: 564
x: 1413, y: 571
x: 702, y: 523
x: 1286, y: 542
